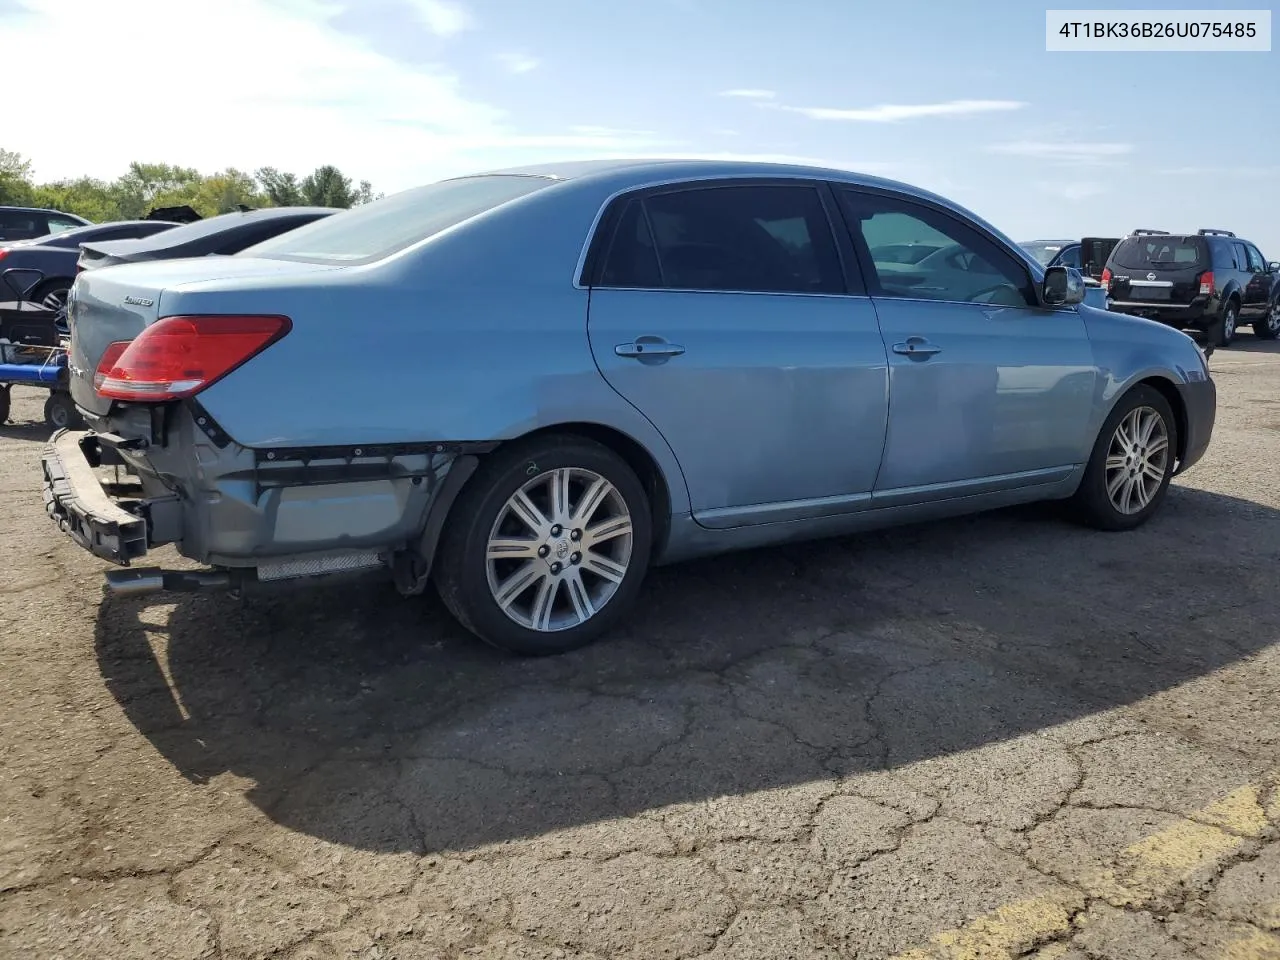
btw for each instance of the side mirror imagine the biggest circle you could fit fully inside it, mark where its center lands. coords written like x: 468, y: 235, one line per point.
x: 1063, y: 287
x: 1274, y: 266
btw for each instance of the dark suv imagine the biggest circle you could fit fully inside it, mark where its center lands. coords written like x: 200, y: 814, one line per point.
x: 1210, y: 281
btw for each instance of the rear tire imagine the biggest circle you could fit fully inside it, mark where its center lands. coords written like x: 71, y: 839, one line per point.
x: 1225, y: 328
x: 4, y: 404
x: 546, y: 547
x: 1133, y: 459
x: 1268, y: 328
x: 60, y: 412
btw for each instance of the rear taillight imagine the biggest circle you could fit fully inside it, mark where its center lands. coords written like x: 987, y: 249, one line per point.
x: 1206, y: 283
x: 1106, y: 279
x: 180, y: 356
x: 4, y: 252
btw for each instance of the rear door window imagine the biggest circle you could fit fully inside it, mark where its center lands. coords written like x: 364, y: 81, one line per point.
x: 761, y: 238
x: 59, y: 224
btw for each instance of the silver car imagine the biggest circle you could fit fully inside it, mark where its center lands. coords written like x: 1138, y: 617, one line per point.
x: 529, y: 386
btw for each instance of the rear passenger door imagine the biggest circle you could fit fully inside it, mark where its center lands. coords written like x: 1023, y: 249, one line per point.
x: 730, y: 315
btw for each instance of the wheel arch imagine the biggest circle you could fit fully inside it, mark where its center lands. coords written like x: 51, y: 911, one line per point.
x: 43, y: 287
x: 636, y: 456
x: 1169, y: 390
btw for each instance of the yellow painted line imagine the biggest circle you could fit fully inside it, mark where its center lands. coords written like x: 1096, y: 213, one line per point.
x: 1239, y: 812
x: 1007, y: 931
x: 1144, y: 871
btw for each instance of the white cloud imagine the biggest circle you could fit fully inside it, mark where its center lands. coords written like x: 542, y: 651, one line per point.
x: 444, y: 18
x: 313, y: 96
x: 894, y: 112
x: 746, y: 94
x: 518, y: 62
x: 1065, y: 151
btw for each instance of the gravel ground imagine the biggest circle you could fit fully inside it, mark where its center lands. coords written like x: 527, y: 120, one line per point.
x: 991, y: 738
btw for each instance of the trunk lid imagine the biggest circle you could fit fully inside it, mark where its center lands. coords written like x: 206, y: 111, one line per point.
x: 106, y: 306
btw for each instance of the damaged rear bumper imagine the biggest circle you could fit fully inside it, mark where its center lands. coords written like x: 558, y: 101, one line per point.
x: 237, y: 522
x: 76, y: 500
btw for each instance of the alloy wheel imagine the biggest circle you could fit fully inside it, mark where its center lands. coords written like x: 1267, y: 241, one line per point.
x: 559, y: 549
x: 55, y: 300
x: 1137, y: 460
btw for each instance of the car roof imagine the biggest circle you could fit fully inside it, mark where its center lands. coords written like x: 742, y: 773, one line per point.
x: 39, y: 210
x: 681, y: 167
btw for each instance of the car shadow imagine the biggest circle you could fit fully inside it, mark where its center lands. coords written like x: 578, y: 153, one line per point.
x: 1246, y: 342
x: 376, y: 722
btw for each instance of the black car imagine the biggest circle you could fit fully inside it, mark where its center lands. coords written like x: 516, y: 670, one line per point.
x: 27, y: 223
x: 1210, y: 281
x: 41, y: 270
x: 225, y: 234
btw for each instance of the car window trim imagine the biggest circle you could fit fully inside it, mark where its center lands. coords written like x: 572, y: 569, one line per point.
x: 600, y: 240
x: 867, y: 263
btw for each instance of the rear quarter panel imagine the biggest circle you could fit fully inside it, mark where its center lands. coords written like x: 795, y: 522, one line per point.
x: 479, y: 334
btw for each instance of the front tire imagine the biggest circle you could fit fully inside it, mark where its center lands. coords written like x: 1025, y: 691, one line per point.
x: 1133, y: 459
x: 1268, y: 328
x: 546, y: 547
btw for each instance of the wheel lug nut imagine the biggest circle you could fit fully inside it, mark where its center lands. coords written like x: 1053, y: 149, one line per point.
x: 575, y: 535
x: 543, y: 550
x: 576, y: 558
x: 555, y: 531
x: 555, y: 568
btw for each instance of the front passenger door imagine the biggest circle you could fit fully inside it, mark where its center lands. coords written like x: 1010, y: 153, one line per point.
x: 1256, y: 296
x: 988, y: 390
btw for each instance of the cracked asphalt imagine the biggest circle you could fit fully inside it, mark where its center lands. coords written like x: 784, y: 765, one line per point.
x: 991, y: 738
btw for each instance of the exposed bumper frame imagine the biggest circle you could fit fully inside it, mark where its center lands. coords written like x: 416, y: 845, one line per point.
x: 76, y: 500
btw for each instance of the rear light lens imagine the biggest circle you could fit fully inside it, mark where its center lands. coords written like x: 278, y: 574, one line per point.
x: 1206, y: 283
x: 4, y: 252
x: 1106, y: 279
x: 180, y: 356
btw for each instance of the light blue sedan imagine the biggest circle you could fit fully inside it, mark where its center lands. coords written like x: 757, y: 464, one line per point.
x: 529, y: 386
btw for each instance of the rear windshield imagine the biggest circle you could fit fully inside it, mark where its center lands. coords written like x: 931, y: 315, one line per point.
x: 1144, y: 253
x: 385, y: 226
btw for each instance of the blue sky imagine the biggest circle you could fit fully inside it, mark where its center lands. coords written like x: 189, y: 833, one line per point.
x: 957, y: 97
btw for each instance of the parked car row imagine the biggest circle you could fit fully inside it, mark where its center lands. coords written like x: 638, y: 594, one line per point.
x: 582, y: 370
x: 42, y: 268
x: 1210, y: 282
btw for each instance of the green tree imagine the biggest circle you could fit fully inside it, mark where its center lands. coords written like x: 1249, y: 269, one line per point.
x: 327, y: 187
x: 92, y: 199
x: 145, y: 186
x: 15, y: 178
x: 281, y: 189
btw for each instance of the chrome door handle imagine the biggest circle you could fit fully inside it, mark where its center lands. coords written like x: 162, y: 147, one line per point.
x: 916, y: 347
x: 643, y: 347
